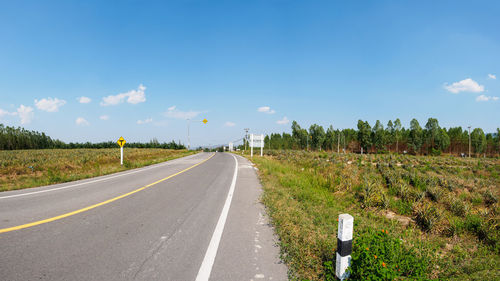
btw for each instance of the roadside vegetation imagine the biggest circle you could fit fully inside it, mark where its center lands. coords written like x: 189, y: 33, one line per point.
x: 428, y: 139
x: 415, y: 217
x: 29, y: 168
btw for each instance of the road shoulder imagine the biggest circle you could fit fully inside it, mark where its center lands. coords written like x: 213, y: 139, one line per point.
x: 248, y: 249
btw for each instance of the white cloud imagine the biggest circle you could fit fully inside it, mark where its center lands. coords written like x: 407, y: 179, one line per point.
x: 84, y: 100
x: 145, y: 121
x: 173, y: 112
x: 283, y: 121
x: 133, y: 97
x: 49, y: 104
x: 25, y: 113
x: 104, y: 117
x: 486, y: 98
x: 492, y: 76
x: 229, y: 124
x: 4, y: 113
x: 266, y: 109
x: 81, y: 121
x: 466, y: 85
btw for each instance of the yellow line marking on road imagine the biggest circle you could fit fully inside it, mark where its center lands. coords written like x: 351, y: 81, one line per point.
x: 98, y: 204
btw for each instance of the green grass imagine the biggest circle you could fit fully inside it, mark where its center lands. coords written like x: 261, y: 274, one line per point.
x: 29, y: 168
x: 451, y: 205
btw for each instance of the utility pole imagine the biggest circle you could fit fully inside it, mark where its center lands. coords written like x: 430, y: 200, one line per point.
x: 246, y: 138
x: 343, y: 140
x: 469, y: 141
x: 338, y: 142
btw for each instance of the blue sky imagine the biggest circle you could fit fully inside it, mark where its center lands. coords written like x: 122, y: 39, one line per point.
x: 145, y: 66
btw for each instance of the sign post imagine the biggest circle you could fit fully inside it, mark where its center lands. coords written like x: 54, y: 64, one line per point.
x: 256, y: 141
x: 188, y: 123
x: 121, y: 142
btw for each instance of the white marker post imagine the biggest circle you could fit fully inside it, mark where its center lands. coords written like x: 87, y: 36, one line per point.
x: 344, y: 246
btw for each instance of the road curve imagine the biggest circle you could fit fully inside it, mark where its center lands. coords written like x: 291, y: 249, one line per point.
x: 153, y: 223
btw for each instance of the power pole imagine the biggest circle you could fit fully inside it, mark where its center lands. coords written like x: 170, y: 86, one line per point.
x: 343, y: 141
x: 469, y: 141
x: 338, y: 142
x: 246, y: 138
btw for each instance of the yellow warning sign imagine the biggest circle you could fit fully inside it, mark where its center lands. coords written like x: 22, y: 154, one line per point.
x: 205, y: 121
x: 121, y: 141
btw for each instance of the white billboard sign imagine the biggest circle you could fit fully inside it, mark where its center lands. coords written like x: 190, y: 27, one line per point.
x: 256, y: 141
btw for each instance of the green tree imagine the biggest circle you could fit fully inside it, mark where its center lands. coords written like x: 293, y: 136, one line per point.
x: 478, y: 140
x: 330, y: 139
x: 389, y: 134
x: 415, y: 137
x: 378, y: 135
x: 442, y: 140
x: 432, y: 131
x: 318, y: 136
x: 364, y: 135
x: 397, y: 132
x: 299, y: 135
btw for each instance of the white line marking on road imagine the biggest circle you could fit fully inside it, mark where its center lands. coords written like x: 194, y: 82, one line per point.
x: 93, y: 181
x: 209, y: 259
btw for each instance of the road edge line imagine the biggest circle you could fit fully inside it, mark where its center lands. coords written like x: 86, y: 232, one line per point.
x: 211, y: 253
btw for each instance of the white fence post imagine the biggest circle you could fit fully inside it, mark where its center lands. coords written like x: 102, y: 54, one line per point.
x: 344, y: 246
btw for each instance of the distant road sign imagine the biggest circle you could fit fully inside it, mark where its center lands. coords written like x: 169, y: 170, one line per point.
x: 121, y: 141
x: 256, y: 141
x: 205, y: 121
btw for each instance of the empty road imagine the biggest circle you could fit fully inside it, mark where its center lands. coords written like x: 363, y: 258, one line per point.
x: 193, y: 218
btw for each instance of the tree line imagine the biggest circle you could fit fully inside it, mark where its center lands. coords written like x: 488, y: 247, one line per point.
x: 431, y: 139
x: 12, y: 138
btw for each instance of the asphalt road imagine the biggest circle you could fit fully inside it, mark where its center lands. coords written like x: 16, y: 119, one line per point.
x: 193, y: 218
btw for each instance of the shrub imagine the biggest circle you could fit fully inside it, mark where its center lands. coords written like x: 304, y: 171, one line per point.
x: 379, y: 256
x: 489, y: 198
x: 426, y: 216
x: 434, y: 192
x: 459, y: 207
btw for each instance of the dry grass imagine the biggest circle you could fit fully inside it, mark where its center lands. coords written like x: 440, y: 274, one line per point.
x: 29, y: 168
x: 446, y: 207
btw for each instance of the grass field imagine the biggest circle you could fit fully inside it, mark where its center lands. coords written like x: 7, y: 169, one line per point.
x: 415, y: 217
x: 29, y: 168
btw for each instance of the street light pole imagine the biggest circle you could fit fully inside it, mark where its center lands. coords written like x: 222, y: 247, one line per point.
x: 246, y: 138
x: 188, y: 124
